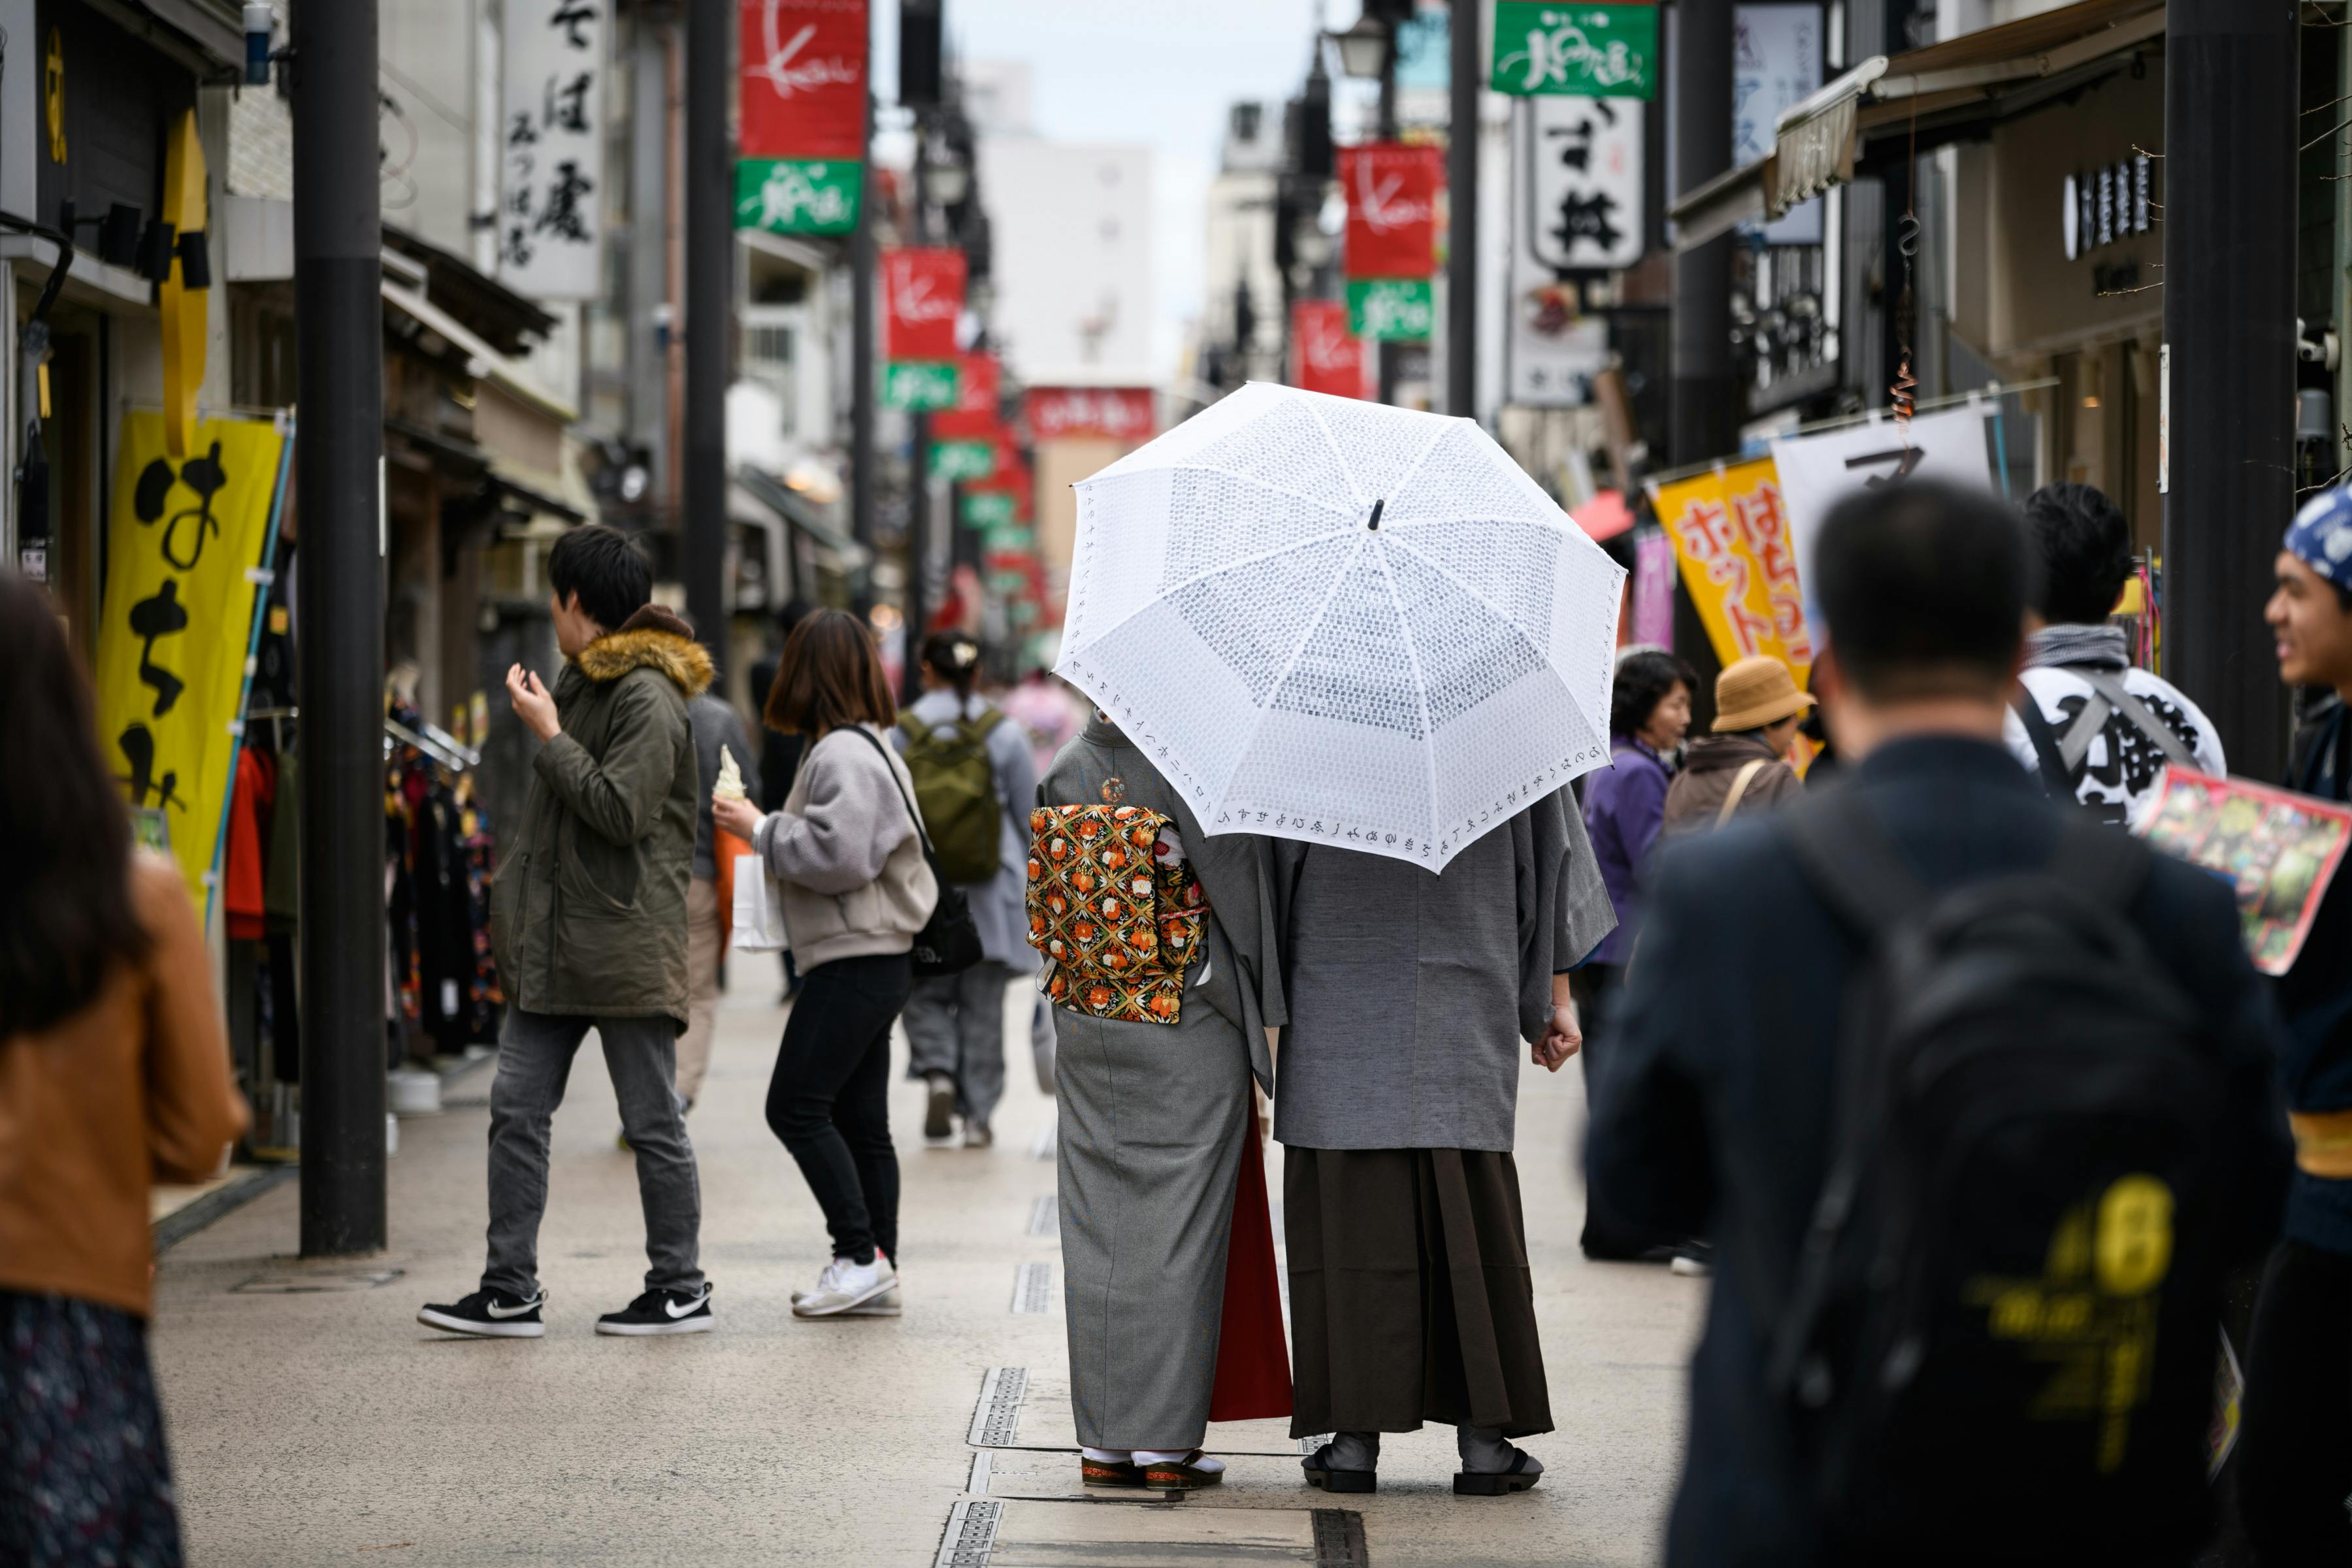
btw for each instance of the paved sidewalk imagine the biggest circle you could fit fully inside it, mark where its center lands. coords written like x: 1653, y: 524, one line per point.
x: 313, y: 1420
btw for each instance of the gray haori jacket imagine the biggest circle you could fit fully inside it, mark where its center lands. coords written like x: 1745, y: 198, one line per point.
x: 1237, y: 974
x: 1411, y: 993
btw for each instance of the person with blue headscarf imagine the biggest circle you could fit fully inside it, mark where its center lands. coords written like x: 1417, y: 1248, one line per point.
x: 2295, y: 1453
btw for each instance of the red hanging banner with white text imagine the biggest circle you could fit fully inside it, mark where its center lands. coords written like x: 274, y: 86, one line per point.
x: 1111, y: 412
x: 1391, y: 192
x: 1324, y: 355
x: 923, y: 287
x: 803, y: 83
x: 978, y: 384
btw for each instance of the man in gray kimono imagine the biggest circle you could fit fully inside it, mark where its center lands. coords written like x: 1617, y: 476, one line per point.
x: 1409, y: 995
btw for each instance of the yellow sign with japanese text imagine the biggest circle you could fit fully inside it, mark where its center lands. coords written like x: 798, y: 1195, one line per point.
x: 182, y: 546
x: 1730, y: 533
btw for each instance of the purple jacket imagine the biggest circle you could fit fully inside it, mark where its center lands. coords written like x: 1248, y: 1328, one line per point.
x: 1624, y: 807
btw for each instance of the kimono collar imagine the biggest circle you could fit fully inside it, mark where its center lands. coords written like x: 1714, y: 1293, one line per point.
x: 1101, y: 731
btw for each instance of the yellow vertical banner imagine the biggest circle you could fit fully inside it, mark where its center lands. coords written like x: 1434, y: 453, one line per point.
x: 1730, y: 533
x: 184, y: 542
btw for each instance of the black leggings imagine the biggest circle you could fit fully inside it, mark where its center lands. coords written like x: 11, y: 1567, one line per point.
x: 830, y: 1098
x: 2294, y: 1449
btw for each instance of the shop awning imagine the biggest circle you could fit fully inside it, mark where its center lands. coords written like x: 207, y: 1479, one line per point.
x: 1945, y: 93
x: 779, y: 498
x: 425, y: 321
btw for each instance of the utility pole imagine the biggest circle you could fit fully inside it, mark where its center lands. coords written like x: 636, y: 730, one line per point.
x: 709, y: 310
x: 2230, y: 95
x: 1469, y: 68
x: 862, y: 266
x: 339, y: 479
x: 1384, y: 358
x: 918, y: 456
x: 1703, y: 421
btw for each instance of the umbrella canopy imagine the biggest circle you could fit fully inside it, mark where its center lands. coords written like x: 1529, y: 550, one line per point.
x: 1336, y: 621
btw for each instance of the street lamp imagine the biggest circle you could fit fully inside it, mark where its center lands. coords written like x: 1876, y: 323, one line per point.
x: 1365, y: 47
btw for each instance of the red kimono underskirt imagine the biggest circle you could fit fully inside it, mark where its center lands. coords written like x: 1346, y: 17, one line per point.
x: 1253, y: 1357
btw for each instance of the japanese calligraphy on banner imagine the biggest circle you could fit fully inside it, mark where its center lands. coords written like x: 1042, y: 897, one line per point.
x: 551, y: 147
x: 1595, y: 51
x: 798, y: 195
x: 1775, y: 64
x: 923, y: 287
x: 178, y: 622
x: 1404, y: 309
x: 1391, y: 192
x: 916, y: 386
x: 1816, y: 471
x: 803, y: 88
x: 1111, y: 412
x: 1731, y: 532
x: 1325, y: 356
x: 1583, y: 182
x: 979, y: 385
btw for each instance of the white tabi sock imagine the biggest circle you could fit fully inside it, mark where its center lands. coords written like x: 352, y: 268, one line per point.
x: 1204, y: 1464
x: 1107, y: 1455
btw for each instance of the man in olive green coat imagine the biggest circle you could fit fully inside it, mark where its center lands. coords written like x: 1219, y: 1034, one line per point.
x: 589, y: 919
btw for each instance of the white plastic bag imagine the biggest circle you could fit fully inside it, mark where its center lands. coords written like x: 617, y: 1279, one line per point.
x: 759, y: 907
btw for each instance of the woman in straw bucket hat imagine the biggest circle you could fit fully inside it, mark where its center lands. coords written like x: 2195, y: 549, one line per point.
x: 1741, y: 767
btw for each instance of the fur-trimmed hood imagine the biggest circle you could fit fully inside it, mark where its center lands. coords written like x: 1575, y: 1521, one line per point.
x: 653, y: 638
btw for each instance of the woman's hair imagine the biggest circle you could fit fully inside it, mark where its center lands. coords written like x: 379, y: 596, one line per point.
x: 830, y: 677
x: 954, y: 658
x: 1644, y: 681
x: 65, y: 910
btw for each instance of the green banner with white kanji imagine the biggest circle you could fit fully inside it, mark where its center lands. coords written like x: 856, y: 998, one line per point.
x: 798, y: 195
x: 1583, y: 51
x: 1399, y: 309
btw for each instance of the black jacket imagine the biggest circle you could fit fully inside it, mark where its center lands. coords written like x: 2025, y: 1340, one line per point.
x: 1712, y: 1113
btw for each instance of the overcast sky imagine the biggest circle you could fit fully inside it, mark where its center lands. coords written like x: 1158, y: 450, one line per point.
x: 1140, y: 70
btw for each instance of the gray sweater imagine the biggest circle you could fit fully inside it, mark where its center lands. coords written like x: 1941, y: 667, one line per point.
x: 844, y: 852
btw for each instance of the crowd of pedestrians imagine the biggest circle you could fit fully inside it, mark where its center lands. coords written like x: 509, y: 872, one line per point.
x: 1972, y: 1106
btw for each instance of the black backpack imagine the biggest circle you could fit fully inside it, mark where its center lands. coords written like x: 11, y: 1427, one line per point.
x: 2000, y: 1334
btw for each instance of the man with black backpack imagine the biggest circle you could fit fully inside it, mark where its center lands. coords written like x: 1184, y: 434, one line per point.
x: 1974, y: 1095
x: 2094, y: 727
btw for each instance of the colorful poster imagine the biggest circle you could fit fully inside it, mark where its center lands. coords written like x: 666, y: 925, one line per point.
x: 1325, y: 356
x: 1108, y: 413
x: 1392, y: 189
x: 1591, y: 51
x: 2278, y: 850
x: 798, y: 195
x: 551, y: 146
x: 803, y: 88
x: 183, y: 543
x: 1402, y: 310
x: 1731, y: 533
x: 980, y: 387
x: 922, y: 288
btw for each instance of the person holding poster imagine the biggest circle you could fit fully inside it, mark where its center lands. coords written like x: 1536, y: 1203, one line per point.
x: 2295, y: 1447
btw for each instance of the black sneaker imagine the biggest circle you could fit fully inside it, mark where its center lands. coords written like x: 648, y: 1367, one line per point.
x: 491, y: 1314
x: 662, y: 1312
x: 938, y: 1106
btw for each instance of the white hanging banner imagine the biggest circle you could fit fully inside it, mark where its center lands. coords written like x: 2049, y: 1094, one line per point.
x: 1775, y: 64
x: 1581, y: 159
x: 551, y: 148
x: 1819, y: 471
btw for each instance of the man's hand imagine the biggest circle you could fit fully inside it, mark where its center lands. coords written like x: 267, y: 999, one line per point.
x: 1564, y: 1036
x: 532, y: 704
x: 739, y: 817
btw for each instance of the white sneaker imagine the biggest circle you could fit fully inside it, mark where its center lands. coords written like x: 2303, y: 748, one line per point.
x: 846, y: 1285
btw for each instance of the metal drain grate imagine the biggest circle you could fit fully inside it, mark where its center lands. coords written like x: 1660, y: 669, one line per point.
x: 982, y: 1462
x: 972, y: 1535
x: 309, y: 1282
x: 1032, y: 1287
x: 1046, y: 1216
x: 998, y: 1415
x: 1338, y: 1539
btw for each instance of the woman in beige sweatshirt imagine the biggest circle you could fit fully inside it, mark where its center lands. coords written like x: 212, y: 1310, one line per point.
x: 848, y: 860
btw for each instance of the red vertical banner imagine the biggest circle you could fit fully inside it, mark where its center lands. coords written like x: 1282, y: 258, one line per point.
x: 978, y: 385
x: 1324, y: 355
x: 1391, y: 191
x: 923, y: 287
x: 803, y: 83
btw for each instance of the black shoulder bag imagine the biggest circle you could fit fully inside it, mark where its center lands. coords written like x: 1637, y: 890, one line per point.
x: 948, y: 942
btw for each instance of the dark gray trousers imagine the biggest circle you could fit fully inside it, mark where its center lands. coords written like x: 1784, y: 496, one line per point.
x: 535, y: 1056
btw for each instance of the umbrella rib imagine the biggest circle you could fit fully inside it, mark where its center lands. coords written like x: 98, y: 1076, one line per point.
x: 1338, y: 457
x: 1160, y: 595
x: 1297, y: 651
x: 1420, y: 692
x: 1543, y: 655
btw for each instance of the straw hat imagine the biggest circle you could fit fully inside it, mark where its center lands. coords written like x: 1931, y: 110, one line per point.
x: 1754, y: 692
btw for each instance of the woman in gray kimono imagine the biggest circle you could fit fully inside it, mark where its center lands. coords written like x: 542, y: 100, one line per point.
x: 1410, y: 997
x: 1157, y: 1134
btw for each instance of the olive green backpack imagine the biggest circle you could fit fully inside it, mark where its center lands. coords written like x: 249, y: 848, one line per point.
x: 956, y: 788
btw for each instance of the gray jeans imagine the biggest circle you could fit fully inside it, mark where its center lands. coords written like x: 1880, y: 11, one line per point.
x: 534, y: 1063
x: 955, y: 1025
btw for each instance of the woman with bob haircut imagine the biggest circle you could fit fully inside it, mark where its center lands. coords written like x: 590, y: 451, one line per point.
x: 113, y: 1075
x: 848, y: 861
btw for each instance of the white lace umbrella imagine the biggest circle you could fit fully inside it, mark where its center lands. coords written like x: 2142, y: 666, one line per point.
x: 1341, y: 622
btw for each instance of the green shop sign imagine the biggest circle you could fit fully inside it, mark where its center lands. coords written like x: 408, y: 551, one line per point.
x: 918, y: 386
x: 989, y: 509
x: 798, y: 195
x: 1397, y: 309
x: 963, y: 459
x: 1012, y: 536
x: 1583, y: 51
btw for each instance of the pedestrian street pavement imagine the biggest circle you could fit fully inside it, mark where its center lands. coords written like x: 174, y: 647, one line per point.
x: 313, y: 1421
